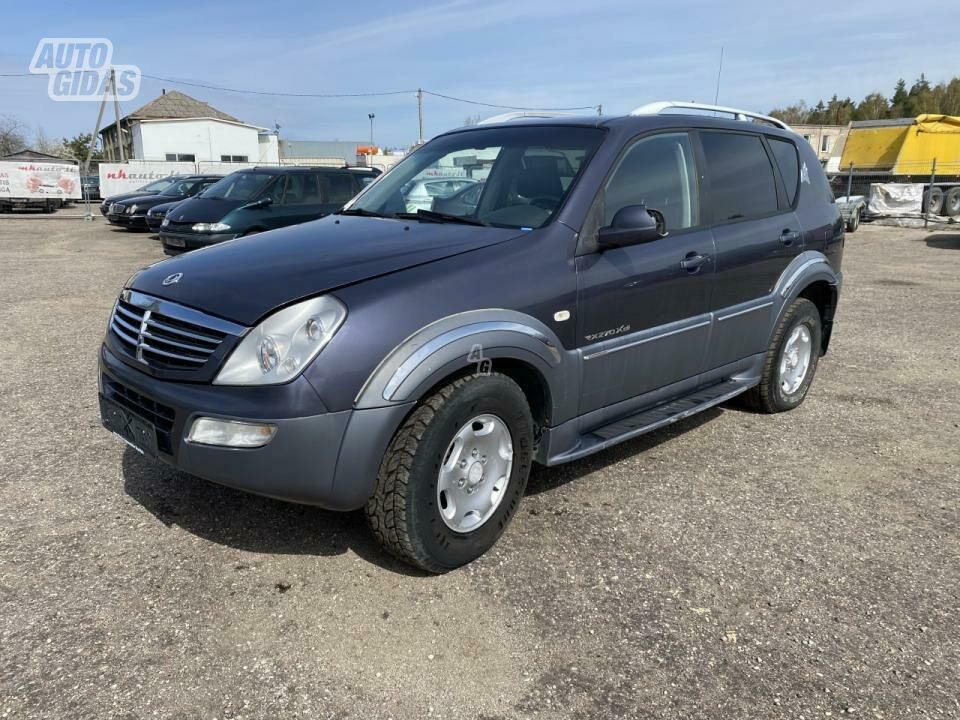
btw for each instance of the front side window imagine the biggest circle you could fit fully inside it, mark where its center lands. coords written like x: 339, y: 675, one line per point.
x: 742, y: 183
x: 239, y: 186
x: 657, y: 172
x: 526, y: 171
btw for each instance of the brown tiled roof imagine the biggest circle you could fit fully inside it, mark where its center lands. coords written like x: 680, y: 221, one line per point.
x: 176, y: 105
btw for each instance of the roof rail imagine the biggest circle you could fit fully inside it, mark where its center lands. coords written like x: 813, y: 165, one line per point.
x: 658, y: 108
x: 520, y: 115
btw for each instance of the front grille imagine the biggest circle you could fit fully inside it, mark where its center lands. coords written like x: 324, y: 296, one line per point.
x: 157, y: 414
x: 166, y: 336
x: 162, y: 340
x: 116, y: 209
x: 179, y: 227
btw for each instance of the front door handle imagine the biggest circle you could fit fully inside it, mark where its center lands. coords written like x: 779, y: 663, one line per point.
x: 693, y: 261
x: 788, y: 237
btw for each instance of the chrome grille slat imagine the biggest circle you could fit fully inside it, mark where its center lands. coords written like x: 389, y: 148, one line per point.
x: 132, y: 341
x: 175, y: 356
x: 185, y: 333
x: 127, y: 326
x: 174, y: 343
x: 167, y: 336
x: 129, y: 313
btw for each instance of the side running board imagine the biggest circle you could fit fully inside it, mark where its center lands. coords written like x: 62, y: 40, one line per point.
x: 656, y: 417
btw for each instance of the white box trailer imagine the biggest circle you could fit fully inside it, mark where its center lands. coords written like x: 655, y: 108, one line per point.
x: 36, y: 184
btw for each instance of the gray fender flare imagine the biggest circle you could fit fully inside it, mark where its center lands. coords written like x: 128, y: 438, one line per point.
x: 807, y: 268
x: 476, y: 338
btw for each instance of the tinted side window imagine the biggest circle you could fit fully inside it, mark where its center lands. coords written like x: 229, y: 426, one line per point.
x: 785, y: 153
x: 742, y: 183
x: 658, y: 172
x: 339, y: 188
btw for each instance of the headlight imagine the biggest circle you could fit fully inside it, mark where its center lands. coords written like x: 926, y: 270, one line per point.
x: 166, y: 221
x: 280, y: 347
x: 131, y: 210
x: 210, y: 227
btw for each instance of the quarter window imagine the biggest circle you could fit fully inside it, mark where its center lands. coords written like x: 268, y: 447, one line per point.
x: 785, y: 153
x: 742, y: 184
x: 339, y: 187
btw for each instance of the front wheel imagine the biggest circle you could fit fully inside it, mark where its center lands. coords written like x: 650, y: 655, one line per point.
x: 454, y: 474
x: 853, y: 222
x: 791, y: 360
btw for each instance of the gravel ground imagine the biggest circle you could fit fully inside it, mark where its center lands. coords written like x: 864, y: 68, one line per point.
x: 804, y: 565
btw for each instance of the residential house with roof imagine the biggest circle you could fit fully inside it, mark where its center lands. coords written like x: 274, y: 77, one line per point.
x: 178, y: 128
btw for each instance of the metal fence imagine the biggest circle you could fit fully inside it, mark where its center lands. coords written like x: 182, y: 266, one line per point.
x: 936, y: 182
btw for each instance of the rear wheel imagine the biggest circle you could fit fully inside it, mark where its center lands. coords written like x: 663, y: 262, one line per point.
x: 951, y: 202
x: 791, y: 360
x: 933, y: 201
x: 454, y: 474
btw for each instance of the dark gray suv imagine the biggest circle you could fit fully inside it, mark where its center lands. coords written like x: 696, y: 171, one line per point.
x: 614, y: 275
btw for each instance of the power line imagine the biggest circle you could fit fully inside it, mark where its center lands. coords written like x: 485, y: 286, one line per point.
x: 278, y: 94
x: 505, y: 107
x: 386, y: 93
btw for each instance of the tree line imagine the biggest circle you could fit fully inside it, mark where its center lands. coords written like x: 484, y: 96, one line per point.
x: 921, y: 98
x: 15, y: 136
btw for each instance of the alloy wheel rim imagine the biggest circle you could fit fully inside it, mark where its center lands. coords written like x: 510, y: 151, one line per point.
x: 795, y: 359
x: 475, y: 474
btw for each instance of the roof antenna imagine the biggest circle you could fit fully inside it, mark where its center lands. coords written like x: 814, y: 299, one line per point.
x: 716, y: 97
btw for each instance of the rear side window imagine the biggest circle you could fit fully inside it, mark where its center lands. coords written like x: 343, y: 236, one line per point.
x: 785, y: 153
x: 742, y: 183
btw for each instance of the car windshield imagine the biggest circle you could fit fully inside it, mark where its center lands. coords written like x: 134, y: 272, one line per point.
x: 239, y: 186
x: 158, y: 185
x: 179, y: 188
x: 526, y: 173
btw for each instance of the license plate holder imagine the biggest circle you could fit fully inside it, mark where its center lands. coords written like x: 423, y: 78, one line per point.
x: 133, y: 430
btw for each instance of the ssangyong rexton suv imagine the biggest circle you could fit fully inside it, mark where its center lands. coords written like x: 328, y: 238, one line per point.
x: 616, y: 274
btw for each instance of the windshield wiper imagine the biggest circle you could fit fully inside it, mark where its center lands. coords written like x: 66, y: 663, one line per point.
x: 434, y: 216
x: 363, y: 212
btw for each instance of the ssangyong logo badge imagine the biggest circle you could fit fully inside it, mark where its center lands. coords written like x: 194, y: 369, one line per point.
x: 171, y: 279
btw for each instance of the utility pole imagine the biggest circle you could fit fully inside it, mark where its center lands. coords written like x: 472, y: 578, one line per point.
x: 371, y: 116
x: 116, y: 110
x: 420, y: 114
x: 93, y: 144
x: 600, y: 110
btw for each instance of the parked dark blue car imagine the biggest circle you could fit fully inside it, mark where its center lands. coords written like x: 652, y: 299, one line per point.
x: 615, y: 274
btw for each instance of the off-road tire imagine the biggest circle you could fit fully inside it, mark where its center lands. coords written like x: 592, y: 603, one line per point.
x: 403, y: 512
x: 768, y: 396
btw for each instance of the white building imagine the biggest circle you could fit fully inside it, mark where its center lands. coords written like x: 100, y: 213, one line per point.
x: 178, y: 128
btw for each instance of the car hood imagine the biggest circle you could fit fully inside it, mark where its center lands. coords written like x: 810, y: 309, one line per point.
x: 166, y: 206
x: 207, y: 210
x: 126, y: 196
x: 145, y: 202
x: 245, y: 279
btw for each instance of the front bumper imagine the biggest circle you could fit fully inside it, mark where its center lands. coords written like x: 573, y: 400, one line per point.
x: 330, y: 459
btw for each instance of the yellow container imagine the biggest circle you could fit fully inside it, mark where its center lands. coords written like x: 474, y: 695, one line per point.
x: 905, y: 147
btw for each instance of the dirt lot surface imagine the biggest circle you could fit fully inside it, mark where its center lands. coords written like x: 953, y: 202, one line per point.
x: 804, y: 565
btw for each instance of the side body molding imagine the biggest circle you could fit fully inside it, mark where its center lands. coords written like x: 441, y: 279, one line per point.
x: 476, y: 338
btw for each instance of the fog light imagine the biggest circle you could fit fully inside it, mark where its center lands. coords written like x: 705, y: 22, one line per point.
x: 230, y: 433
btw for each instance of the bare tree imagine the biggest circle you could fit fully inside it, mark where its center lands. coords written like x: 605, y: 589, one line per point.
x: 471, y: 120
x: 12, y: 135
x: 43, y: 144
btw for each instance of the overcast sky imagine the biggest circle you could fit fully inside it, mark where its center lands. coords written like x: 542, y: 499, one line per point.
x: 542, y: 53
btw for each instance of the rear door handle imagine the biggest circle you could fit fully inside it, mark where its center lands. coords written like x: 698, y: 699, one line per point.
x: 692, y: 262
x: 788, y: 237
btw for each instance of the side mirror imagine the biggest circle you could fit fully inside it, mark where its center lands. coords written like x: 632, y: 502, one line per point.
x: 632, y: 225
x: 262, y: 202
